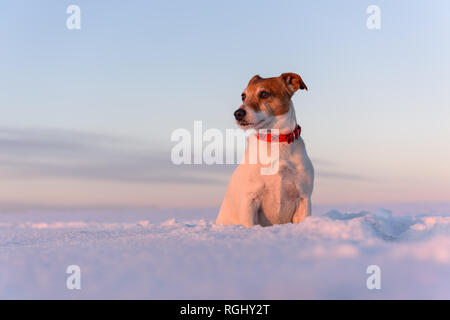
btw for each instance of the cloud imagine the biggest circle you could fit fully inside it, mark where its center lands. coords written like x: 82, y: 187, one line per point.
x: 29, y: 153
x: 44, y: 153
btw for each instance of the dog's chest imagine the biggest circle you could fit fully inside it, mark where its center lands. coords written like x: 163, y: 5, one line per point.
x: 280, y: 196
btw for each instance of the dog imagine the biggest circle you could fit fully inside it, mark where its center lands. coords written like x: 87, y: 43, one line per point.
x: 253, y: 198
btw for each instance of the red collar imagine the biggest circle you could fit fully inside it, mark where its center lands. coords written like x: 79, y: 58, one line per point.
x: 289, y: 138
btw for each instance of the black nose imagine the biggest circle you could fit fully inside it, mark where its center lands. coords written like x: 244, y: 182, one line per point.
x: 239, y: 114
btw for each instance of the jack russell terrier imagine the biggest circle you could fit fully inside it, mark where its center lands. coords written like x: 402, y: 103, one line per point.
x: 253, y: 198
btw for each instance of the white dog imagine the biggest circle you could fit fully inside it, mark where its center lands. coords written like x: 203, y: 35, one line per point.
x: 253, y: 198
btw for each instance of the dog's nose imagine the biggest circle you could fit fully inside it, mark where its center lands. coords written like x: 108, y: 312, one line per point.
x: 239, y: 114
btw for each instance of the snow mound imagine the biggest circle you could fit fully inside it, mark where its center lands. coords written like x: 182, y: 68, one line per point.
x: 323, y: 257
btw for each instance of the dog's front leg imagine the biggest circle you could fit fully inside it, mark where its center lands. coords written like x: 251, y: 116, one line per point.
x: 303, y: 210
x: 248, y: 211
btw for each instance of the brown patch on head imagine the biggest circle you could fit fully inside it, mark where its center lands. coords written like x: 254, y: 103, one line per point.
x: 272, y: 95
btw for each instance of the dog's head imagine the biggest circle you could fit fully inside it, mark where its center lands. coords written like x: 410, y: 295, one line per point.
x: 266, y: 98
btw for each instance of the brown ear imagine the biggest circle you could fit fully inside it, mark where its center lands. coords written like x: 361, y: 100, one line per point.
x: 293, y: 82
x: 255, y: 79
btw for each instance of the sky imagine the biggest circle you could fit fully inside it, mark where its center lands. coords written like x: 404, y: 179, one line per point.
x: 87, y: 115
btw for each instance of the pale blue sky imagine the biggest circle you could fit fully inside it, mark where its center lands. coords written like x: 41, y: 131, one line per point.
x: 375, y: 118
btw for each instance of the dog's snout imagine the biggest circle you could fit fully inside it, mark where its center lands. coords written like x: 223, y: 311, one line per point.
x: 239, y: 114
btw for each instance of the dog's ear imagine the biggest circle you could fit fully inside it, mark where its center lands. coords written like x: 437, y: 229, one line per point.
x: 255, y: 79
x: 293, y: 82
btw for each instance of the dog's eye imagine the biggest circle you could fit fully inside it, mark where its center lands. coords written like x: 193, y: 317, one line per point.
x: 243, y: 96
x: 264, y: 94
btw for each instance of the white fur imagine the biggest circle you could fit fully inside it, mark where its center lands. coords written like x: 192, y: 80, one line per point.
x: 256, y: 199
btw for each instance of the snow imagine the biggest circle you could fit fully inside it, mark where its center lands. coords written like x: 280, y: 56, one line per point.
x: 183, y: 254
